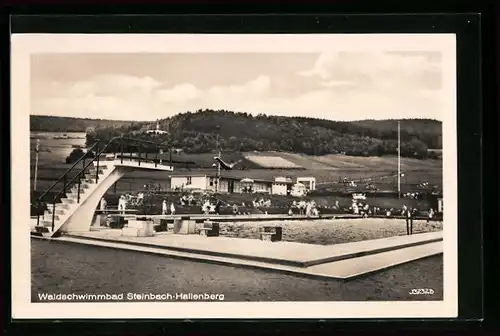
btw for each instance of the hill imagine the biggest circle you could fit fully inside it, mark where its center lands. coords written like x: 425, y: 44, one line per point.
x: 428, y: 130
x: 68, y: 124
x: 242, y: 132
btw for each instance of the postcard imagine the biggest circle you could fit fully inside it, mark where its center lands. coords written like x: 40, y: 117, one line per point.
x: 234, y: 176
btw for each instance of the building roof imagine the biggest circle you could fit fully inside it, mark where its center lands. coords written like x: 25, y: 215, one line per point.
x: 190, y: 175
x: 229, y: 178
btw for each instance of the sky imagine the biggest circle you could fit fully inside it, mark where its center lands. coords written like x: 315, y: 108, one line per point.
x: 339, y: 86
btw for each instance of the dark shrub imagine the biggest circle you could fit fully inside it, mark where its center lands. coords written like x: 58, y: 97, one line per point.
x: 76, y: 154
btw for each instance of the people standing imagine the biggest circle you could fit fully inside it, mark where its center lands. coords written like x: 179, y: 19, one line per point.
x: 164, y: 208
x: 308, y: 209
x: 206, y: 207
x: 404, y: 211
x: 355, y: 208
x: 103, y: 204
x: 409, y: 222
x: 217, y: 207
x: 430, y: 215
x: 172, y: 208
x: 122, y: 204
x: 140, y: 198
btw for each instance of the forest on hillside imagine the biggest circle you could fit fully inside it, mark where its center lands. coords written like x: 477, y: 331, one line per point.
x: 199, y: 132
x: 69, y: 124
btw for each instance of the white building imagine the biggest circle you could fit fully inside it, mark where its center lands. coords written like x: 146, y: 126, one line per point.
x: 157, y: 130
x: 440, y: 205
x: 181, y: 181
x: 309, y: 182
x: 280, y: 186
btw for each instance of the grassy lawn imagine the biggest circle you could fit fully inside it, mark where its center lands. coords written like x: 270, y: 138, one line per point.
x: 58, y: 267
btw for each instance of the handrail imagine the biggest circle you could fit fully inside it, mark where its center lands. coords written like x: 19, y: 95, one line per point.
x: 39, y: 199
x: 84, y: 168
x: 159, y: 144
x: 95, y: 158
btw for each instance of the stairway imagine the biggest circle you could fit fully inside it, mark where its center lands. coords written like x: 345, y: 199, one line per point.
x: 75, y: 211
x: 73, y: 200
x: 81, y: 195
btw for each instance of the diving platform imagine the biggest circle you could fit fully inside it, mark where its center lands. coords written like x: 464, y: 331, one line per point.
x: 73, y: 207
x: 136, y: 164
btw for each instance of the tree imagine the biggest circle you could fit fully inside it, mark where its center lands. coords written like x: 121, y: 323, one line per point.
x: 195, y: 133
x: 77, y: 153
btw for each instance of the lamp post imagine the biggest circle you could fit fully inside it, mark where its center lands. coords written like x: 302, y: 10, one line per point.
x: 37, y: 149
x: 399, y: 159
x: 218, y: 165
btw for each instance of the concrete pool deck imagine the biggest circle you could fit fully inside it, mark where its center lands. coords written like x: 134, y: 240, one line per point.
x: 287, y: 253
x: 340, y: 261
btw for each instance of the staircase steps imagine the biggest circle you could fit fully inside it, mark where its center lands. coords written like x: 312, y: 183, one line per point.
x: 92, y: 171
x: 74, y: 195
x: 85, y: 182
x: 47, y: 216
x: 59, y: 211
x: 83, y: 186
x: 46, y: 223
x: 62, y: 206
x: 67, y: 200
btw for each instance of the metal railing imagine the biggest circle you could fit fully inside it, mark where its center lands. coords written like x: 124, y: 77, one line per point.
x: 85, y: 165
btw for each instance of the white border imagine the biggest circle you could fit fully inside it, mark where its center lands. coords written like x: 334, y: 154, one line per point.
x: 23, y: 45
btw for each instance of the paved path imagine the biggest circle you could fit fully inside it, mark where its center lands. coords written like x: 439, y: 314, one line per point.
x: 288, y: 253
x: 344, y: 270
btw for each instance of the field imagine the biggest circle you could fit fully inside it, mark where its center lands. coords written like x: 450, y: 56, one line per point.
x: 54, y: 151
x: 337, y: 161
x: 272, y: 162
x: 206, y: 160
x: 66, y: 268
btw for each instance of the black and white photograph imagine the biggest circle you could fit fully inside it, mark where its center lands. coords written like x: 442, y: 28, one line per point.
x: 234, y: 176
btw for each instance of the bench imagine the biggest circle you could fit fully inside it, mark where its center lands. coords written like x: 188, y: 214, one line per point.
x: 163, y: 226
x: 271, y: 233
x: 184, y: 225
x: 117, y: 222
x: 210, y: 229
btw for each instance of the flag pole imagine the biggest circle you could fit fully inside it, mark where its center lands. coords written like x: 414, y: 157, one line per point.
x: 218, y: 165
x: 37, y: 148
x: 399, y: 159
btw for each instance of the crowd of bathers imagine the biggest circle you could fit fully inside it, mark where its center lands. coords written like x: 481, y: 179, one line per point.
x: 211, y: 204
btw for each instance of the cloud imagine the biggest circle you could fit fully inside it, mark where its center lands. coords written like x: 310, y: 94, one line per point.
x: 339, y: 86
x: 253, y: 88
x: 377, y: 69
x: 113, y: 84
x: 101, y: 96
x: 179, y: 93
x: 128, y: 97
